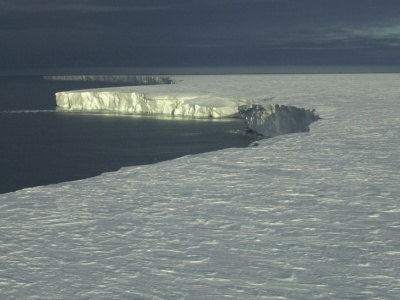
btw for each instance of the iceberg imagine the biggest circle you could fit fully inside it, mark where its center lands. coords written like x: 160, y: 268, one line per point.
x: 140, y: 103
x: 263, y: 118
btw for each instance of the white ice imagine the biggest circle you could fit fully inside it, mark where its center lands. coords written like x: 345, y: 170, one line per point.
x: 302, y: 216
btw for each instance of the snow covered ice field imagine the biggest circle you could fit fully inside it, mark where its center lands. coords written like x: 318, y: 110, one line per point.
x: 301, y: 216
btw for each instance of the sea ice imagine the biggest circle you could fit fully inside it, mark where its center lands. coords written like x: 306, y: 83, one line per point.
x: 302, y: 216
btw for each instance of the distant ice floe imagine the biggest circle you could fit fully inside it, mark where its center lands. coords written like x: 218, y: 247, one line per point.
x: 33, y: 111
x: 263, y: 118
x: 134, y: 79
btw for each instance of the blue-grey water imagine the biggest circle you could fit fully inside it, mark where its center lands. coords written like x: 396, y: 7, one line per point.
x: 41, y: 146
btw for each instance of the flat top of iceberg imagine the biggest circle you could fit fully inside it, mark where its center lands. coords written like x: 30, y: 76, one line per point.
x: 301, y: 216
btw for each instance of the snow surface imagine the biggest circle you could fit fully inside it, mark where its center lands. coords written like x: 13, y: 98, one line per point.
x: 302, y: 216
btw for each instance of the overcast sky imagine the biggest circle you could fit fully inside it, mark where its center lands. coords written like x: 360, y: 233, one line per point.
x: 199, y: 33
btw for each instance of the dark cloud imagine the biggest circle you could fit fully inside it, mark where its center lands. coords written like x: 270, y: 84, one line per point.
x: 178, y: 33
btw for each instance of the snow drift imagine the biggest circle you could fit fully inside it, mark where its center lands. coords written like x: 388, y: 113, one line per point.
x: 263, y: 118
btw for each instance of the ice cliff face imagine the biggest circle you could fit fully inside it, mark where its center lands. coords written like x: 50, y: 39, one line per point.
x: 265, y: 119
x: 271, y: 120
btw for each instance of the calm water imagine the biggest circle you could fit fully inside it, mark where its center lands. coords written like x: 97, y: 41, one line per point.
x: 40, y: 146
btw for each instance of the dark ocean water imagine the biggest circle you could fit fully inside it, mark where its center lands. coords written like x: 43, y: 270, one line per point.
x: 41, y: 146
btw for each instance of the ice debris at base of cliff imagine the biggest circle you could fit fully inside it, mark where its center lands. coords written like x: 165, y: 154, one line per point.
x: 260, y: 117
